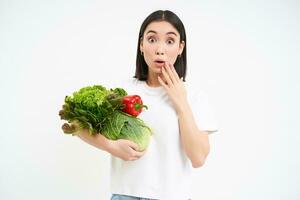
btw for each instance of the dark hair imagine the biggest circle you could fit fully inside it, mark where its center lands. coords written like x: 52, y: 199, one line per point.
x: 141, y: 72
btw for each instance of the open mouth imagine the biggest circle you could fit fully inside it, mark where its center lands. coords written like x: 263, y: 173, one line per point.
x: 159, y: 63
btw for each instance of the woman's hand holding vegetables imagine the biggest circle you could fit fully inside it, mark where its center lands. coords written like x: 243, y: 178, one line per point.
x: 125, y: 149
x: 174, y: 87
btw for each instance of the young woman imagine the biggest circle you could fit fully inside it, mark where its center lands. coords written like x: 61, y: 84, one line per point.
x: 180, y: 116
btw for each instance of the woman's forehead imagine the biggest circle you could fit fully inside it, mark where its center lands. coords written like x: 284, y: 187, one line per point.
x: 161, y: 28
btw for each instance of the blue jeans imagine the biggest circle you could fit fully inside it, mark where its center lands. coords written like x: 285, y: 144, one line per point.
x: 125, y: 197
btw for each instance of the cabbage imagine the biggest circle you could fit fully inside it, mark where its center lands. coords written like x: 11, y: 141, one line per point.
x: 100, y: 111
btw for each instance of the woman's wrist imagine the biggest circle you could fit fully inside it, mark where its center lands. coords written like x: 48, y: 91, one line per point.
x: 108, y: 145
x: 104, y: 143
x: 183, y: 109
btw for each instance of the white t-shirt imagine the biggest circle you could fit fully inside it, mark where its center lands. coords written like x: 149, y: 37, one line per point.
x: 164, y: 171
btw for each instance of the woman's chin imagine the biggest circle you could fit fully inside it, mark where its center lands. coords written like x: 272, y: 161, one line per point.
x: 156, y: 70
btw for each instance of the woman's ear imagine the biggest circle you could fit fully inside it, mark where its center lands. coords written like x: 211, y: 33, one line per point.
x: 141, y: 44
x: 181, y: 47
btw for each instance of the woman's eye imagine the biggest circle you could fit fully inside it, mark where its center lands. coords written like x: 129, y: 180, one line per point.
x: 151, y: 40
x: 170, y: 41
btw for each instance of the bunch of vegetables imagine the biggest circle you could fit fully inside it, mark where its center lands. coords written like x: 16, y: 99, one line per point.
x: 112, y: 113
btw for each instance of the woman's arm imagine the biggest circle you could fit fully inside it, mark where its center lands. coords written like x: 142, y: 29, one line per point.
x: 124, y: 149
x: 98, y: 140
x: 195, y: 142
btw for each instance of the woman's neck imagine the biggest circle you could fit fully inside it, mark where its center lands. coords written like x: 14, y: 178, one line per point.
x: 152, y: 80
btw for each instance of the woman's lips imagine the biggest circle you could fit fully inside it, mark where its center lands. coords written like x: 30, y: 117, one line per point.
x: 159, y: 63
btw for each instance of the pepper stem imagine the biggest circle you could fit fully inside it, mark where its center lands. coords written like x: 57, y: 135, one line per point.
x: 138, y: 106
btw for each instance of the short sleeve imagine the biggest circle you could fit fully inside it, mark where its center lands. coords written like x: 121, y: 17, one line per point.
x: 204, y: 112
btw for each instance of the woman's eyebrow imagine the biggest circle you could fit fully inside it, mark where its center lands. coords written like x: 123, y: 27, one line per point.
x: 151, y: 31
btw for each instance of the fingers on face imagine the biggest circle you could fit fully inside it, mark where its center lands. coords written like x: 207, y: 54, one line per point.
x: 175, y: 73
x: 167, y: 75
x: 171, y: 73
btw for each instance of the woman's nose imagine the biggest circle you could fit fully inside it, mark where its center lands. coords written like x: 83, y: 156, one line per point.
x: 160, y: 50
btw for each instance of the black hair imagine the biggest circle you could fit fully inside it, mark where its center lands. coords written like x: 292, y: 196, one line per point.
x: 141, y: 72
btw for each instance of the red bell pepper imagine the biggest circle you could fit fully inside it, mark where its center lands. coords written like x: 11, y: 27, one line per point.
x: 133, y: 105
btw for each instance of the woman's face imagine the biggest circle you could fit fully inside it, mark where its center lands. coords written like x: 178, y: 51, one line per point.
x: 160, y: 43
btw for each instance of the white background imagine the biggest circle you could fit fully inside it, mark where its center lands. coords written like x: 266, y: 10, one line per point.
x: 244, y: 54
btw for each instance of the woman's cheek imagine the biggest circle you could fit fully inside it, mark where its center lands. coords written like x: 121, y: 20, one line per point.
x: 174, y: 55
